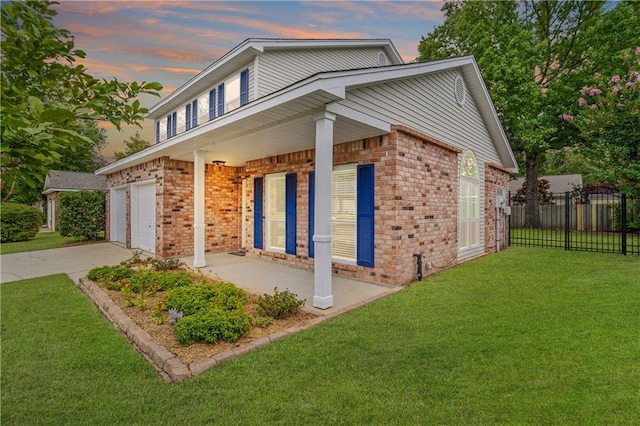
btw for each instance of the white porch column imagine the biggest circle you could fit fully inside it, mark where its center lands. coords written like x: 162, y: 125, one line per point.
x: 198, y: 209
x: 323, y: 291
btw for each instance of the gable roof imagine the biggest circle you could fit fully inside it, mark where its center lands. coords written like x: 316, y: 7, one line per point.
x: 557, y: 183
x: 248, y: 49
x: 317, y: 92
x: 62, y: 180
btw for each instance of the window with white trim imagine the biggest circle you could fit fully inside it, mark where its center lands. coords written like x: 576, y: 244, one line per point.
x: 275, y: 214
x: 343, y: 213
x: 469, y: 208
x: 232, y: 93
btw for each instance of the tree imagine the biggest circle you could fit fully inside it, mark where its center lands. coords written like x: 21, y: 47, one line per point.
x: 44, y: 92
x: 134, y: 144
x: 531, y: 55
x: 609, y: 120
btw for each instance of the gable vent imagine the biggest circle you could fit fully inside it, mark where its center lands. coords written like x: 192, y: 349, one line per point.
x: 460, y: 90
x: 382, y: 60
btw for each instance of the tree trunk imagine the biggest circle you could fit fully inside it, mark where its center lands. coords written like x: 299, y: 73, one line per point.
x: 532, y: 215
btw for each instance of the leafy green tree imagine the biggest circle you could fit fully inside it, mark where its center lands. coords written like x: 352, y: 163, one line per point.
x: 531, y: 55
x: 609, y: 120
x: 44, y: 92
x: 134, y: 144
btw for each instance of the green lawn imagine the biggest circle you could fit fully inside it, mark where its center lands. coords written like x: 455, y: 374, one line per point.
x: 42, y: 241
x: 527, y: 336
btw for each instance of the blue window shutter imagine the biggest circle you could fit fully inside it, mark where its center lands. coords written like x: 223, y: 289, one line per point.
x: 257, y: 212
x: 174, y: 124
x: 221, y: 99
x: 187, y: 118
x: 168, y: 126
x: 194, y: 113
x: 212, y: 104
x: 312, y: 206
x: 365, y: 215
x: 290, y: 213
x: 244, y: 87
x: 157, y: 132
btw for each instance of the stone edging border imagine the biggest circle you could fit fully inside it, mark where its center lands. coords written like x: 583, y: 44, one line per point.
x: 167, y: 364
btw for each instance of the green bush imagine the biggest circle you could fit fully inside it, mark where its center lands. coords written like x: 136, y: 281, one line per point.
x: 192, y: 299
x: 162, y: 280
x: 18, y: 222
x: 167, y: 264
x: 110, y: 276
x: 82, y: 214
x: 279, y: 305
x: 212, y: 325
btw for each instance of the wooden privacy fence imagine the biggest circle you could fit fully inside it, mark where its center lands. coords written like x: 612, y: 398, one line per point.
x: 594, y: 220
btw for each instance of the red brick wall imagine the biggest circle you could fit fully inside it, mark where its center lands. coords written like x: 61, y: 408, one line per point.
x: 174, y: 205
x: 495, y: 177
x: 415, y: 202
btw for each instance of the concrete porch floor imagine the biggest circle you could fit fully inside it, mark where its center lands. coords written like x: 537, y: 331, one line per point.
x: 261, y: 276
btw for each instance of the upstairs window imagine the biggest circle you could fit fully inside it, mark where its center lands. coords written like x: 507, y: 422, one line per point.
x: 233, y: 93
x: 191, y: 115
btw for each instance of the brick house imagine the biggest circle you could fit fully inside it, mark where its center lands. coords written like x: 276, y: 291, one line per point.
x: 330, y: 155
x: 58, y: 181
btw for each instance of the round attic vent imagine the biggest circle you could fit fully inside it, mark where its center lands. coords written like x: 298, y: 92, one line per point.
x: 460, y: 90
x: 382, y: 60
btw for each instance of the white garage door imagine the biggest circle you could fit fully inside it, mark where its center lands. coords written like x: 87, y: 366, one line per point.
x: 118, y: 220
x: 144, y: 220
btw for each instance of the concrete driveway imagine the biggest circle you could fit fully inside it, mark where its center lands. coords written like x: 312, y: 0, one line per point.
x: 257, y: 276
x: 75, y: 261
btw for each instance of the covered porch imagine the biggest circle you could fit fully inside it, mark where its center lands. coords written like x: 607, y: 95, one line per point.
x: 261, y: 276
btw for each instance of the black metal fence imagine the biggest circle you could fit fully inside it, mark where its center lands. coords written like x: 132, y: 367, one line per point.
x: 600, y: 219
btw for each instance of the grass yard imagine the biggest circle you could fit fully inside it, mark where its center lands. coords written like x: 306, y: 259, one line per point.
x: 42, y: 241
x: 527, y: 336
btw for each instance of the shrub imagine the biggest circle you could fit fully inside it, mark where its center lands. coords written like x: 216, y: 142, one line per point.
x: 279, y: 305
x: 82, y: 214
x: 190, y: 299
x: 18, y: 222
x: 262, y: 322
x: 167, y: 264
x: 194, y: 298
x: 212, y: 325
x: 110, y: 276
x: 163, y: 281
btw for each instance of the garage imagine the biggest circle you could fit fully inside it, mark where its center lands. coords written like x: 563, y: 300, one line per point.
x: 118, y: 212
x: 143, y: 216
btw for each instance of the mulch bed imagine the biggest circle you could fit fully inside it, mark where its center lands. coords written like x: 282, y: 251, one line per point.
x: 164, y: 335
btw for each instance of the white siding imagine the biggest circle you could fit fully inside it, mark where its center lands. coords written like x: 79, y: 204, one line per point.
x: 428, y: 105
x: 203, y: 103
x: 282, y: 68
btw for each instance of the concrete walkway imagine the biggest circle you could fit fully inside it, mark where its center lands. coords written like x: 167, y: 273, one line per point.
x: 254, y: 275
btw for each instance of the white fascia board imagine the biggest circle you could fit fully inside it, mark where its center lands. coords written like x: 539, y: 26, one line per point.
x: 259, y: 45
x: 493, y: 121
x: 385, y: 44
x: 293, y: 92
x: 220, y: 63
x: 344, y: 111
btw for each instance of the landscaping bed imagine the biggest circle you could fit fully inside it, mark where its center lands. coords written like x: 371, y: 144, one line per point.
x: 192, y: 316
x: 163, y: 333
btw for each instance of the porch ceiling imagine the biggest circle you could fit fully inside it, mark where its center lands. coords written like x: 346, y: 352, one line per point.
x: 284, y: 128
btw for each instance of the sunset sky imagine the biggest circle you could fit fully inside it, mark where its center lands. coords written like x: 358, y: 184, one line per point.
x: 171, y: 41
